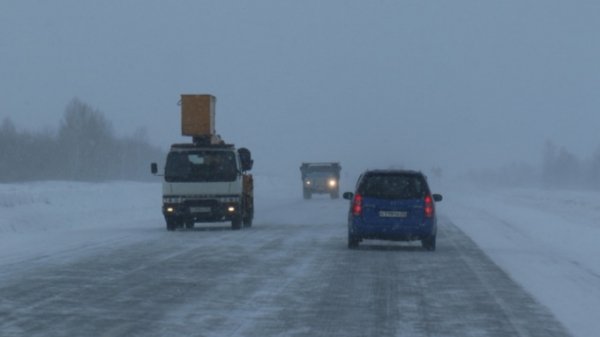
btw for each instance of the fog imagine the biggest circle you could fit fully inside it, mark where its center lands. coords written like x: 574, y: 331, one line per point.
x: 452, y: 84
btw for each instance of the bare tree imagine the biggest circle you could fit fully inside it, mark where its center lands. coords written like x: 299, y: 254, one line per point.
x: 86, y: 139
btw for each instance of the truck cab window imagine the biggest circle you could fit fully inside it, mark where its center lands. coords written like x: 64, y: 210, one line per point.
x: 177, y: 168
x: 201, y: 166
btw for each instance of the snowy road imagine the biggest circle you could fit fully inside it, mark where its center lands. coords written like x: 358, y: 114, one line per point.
x: 289, y: 275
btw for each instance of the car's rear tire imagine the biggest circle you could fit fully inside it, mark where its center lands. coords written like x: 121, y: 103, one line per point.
x: 429, y: 242
x: 353, y: 241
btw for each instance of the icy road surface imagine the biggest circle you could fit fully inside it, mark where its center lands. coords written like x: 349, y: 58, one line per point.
x: 110, y: 268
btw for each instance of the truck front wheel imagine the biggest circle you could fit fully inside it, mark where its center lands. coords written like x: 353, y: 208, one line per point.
x: 171, y: 224
x: 189, y: 223
x: 236, y: 223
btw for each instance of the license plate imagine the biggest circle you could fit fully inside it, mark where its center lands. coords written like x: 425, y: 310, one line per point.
x: 200, y: 209
x: 392, y: 214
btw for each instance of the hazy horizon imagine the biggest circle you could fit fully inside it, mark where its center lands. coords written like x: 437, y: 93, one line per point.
x: 456, y: 85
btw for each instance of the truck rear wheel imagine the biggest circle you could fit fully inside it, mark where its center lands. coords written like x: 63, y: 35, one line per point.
x: 248, y: 219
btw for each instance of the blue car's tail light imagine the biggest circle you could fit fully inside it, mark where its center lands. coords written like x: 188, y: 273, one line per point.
x: 428, y: 206
x: 357, y: 205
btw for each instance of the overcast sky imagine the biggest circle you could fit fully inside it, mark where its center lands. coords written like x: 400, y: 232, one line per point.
x: 455, y: 84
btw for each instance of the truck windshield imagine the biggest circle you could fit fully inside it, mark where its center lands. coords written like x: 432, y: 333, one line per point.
x: 320, y: 175
x: 320, y: 172
x: 201, y: 166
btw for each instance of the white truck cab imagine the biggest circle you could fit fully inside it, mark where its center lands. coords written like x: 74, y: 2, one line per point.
x: 207, y: 183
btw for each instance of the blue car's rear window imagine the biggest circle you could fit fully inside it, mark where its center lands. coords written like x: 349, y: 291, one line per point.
x: 393, y: 186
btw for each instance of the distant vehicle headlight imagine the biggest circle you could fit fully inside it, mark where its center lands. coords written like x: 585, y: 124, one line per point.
x: 307, y: 182
x: 332, y: 183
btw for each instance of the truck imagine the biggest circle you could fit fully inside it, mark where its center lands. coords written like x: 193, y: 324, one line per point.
x: 322, y: 178
x: 205, y: 180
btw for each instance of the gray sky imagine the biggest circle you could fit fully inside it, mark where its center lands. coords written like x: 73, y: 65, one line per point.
x: 455, y: 84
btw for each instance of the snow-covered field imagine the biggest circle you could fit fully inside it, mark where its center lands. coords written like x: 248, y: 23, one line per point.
x: 47, y: 221
x: 545, y: 239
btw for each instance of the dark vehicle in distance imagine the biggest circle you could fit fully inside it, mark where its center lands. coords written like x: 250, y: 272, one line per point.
x: 392, y: 205
x: 320, y: 178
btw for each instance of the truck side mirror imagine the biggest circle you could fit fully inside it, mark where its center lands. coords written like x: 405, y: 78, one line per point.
x: 246, y: 159
x: 153, y: 168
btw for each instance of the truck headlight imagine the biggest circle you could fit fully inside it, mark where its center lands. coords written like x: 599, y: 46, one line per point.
x: 332, y: 183
x: 308, y: 182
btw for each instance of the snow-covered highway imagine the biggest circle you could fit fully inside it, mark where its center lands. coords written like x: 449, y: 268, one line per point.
x: 100, y: 263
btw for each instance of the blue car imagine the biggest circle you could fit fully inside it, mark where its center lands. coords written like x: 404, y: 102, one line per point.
x: 392, y: 205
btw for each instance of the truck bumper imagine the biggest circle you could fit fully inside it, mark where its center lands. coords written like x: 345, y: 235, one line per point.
x: 202, y: 210
x: 321, y: 186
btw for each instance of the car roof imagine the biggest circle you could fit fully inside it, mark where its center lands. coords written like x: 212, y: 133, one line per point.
x: 392, y: 171
x: 191, y: 146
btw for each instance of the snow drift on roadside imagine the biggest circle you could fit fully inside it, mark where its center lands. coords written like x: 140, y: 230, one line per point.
x: 547, y: 240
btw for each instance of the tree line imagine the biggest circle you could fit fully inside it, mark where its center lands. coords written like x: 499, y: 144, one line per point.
x: 84, y: 148
x: 562, y: 168
x: 558, y: 168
